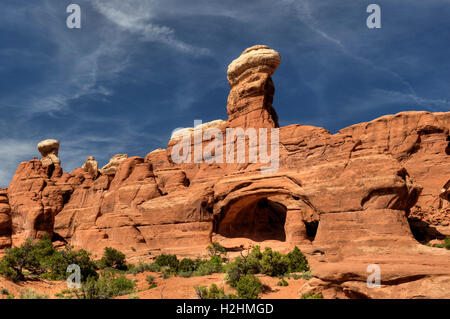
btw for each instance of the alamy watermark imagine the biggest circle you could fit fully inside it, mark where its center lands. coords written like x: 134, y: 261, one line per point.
x: 73, y: 21
x: 374, y: 279
x: 259, y: 142
x: 74, y: 280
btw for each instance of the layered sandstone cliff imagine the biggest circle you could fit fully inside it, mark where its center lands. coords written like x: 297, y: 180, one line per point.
x: 365, y: 195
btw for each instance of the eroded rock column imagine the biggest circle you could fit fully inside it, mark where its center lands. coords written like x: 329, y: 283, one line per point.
x: 251, y: 96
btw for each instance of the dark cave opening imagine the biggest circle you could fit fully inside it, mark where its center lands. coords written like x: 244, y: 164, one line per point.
x: 257, y: 219
x: 311, y: 229
x: 423, y: 232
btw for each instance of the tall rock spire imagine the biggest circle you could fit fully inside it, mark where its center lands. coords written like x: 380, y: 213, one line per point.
x: 251, y: 96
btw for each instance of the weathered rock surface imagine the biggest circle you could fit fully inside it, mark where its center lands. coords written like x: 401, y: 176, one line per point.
x: 114, y: 162
x: 91, y: 166
x: 49, y: 151
x: 252, y: 89
x: 365, y: 195
x: 5, y: 220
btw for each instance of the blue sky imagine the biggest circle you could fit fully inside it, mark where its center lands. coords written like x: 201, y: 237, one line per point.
x: 138, y: 69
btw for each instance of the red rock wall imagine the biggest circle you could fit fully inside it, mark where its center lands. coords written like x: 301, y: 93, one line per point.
x: 358, y: 186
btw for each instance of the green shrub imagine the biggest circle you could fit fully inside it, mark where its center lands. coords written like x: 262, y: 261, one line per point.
x: 447, y: 242
x: 273, y: 263
x: 42, y: 259
x: 311, y: 296
x: 208, y: 267
x: 10, y: 268
x: 18, y: 259
x: 150, y: 279
x: 112, y: 258
x: 296, y: 277
x: 143, y: 267
x: 167, y: 272
x: 213, y: 292
x: 188, y: 265
x: 216, y: 249
x: 248, y: 287
x: 58, y: 262
x: 167, y: 260
x: 234, y: 271
x: 29, y: 256
x: 438, y: 245
x: 307, y: 275
x: 133, y: 297
x: 283, y: 283
x: 154, y: 267
x: 4, y: 292
x: 154, y: 285
x: 297, y: 261
x: 65, y: 294
x: 109, y: 285
x: 29, y: 293
x: 252, y: 263
x: 186, y: 274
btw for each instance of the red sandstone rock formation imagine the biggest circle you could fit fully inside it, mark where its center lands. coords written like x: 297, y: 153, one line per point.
x: 5, y: 220
x: 348, y: 200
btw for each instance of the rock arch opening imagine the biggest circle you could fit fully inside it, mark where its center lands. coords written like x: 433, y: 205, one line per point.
x: 258, y: 219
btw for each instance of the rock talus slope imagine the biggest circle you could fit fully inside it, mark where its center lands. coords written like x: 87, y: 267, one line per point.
x: 373, y: 193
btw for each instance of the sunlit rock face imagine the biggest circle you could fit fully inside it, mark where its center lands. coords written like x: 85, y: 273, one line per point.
x: 365, y: 195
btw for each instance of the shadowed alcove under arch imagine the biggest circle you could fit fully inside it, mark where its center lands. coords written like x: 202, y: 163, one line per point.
x: 257, y: 218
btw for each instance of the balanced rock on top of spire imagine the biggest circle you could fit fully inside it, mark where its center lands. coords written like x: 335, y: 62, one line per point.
x: 251, y: 96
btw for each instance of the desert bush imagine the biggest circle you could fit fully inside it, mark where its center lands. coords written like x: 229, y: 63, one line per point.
x: 234, y: 271
x: 447, y: 242
x: 297, y: 261
x: 133, y: 297
x: 248, y: 287
x: 144, y: 267
x: 112, y: 258
x: 42, y: 259
x: 283, y: 283
x: 185, y: 274
x: 312, y: 296
x: 187, y: 265
x: 28, y: 257
x: 244, y: 266
x: 18, y: 259
x: 208, y: 267
x: 29, y: 293
x: 150, y: 279
x: 109, y: 285
x: 4, y: 291
x: 167, y: 260
x: 167, y: 272
x: 307, y: 275
x: 65, y: 294
x: 296, y: 276
x: 57, y: 264
x: 213, y: 292
x: 273, y: 263
x: 216, y: 249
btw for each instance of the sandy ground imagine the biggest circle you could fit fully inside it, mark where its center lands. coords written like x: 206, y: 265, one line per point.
x: 170, y: 288
x: 47, y: 287
x: 183, y: 288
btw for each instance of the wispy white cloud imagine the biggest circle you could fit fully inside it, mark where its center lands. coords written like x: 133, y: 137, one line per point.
x: 136, y: 16
x: 305, y: 11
